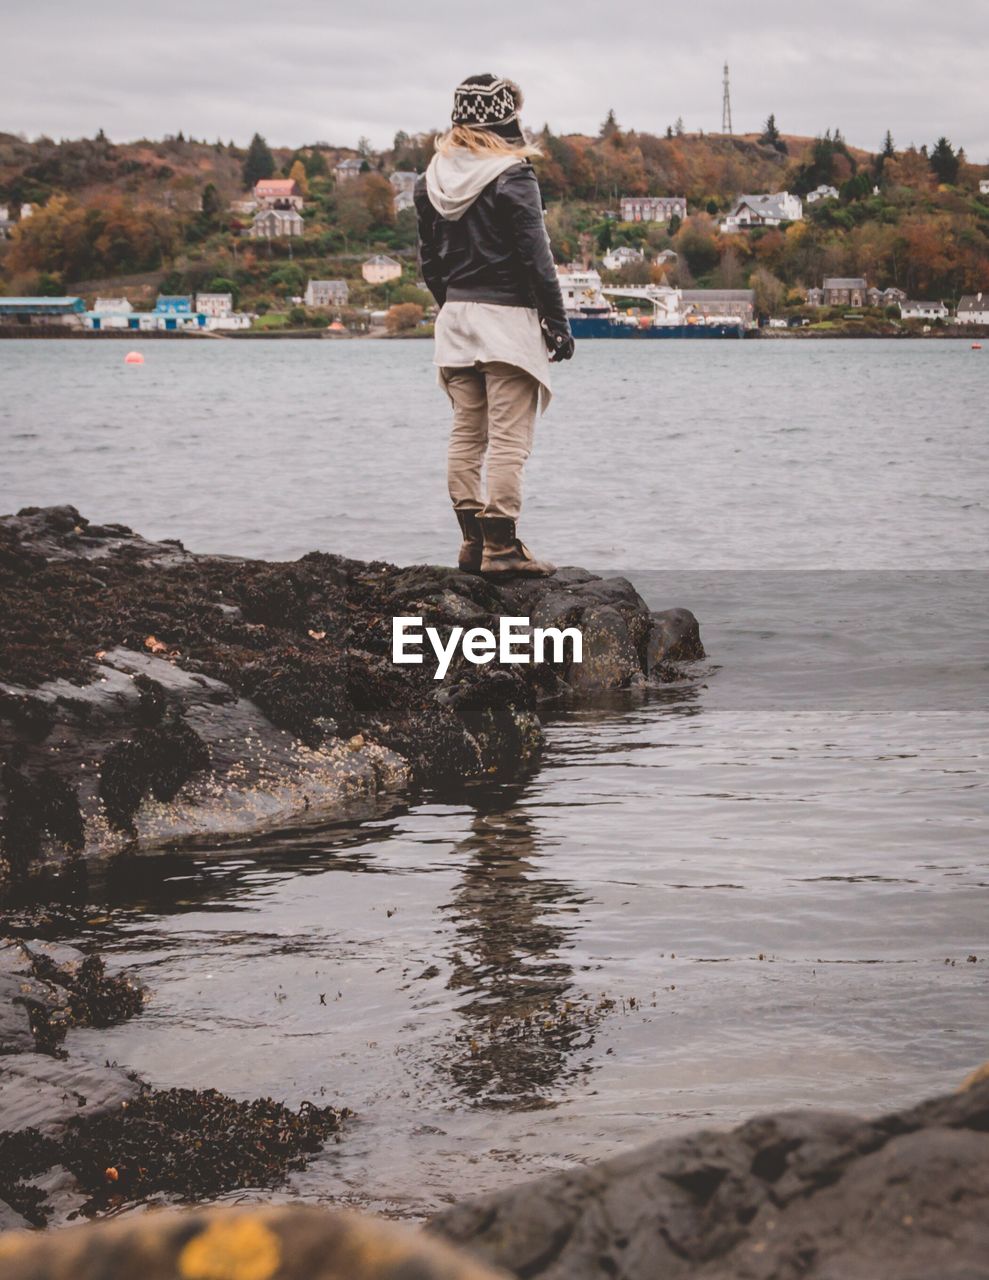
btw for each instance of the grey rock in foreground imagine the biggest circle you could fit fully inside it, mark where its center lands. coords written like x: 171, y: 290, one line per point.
x: 802, y: 1195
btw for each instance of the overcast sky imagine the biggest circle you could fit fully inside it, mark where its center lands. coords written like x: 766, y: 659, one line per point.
x: 305, y: 70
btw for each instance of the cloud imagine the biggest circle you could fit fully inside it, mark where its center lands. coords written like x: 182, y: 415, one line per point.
x: 322, y: 69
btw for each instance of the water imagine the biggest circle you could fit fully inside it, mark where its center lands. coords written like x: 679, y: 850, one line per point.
x: 759, y: 890
x: 676, y: 455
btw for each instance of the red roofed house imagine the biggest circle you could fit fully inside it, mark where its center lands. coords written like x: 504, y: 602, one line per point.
x: 277, y: 193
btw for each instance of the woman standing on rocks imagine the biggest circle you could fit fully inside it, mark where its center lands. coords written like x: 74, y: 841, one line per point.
x: 486, y: 260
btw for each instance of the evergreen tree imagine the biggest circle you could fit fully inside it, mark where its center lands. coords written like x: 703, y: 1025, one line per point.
x: 678, y: 128
x: 669, y: 131
x: 770, y: 136
x: 212, y: 205
x: 944, y: 162
x: 259, y: 162
x: 609, y: 126
x: 889, y: 151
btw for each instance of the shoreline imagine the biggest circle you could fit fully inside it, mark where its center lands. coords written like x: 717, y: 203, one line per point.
x: 971, y: 333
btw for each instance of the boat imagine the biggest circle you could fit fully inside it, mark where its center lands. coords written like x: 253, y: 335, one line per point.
x: 593, y: 314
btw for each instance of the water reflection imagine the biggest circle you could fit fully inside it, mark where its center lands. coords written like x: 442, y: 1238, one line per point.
x: 523, y: 1022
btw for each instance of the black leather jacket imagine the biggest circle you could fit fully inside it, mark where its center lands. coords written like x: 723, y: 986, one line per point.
x: 497, y: 252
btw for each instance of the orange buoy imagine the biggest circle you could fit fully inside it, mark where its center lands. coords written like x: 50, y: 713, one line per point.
x: 976, y: 346
x: 133, y: 357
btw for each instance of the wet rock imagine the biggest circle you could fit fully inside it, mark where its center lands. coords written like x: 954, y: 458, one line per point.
x: 804, y: 1194
x: 237, y: 1244
x: 46, y: 989
x: 674, y: 636
x: 149, y: 695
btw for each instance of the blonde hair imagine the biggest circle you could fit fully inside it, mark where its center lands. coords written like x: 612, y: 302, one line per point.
x: 483, y: 141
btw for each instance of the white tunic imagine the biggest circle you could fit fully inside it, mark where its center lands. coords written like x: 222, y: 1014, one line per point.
x: 469, y: 333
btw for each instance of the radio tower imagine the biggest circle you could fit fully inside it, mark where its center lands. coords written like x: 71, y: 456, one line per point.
x: 726, y: 107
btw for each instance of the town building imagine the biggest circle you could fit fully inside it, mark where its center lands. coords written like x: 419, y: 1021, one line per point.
x: 42, y: 311
x: 652, y: 208
x: 720, y: 304
x: 277, y: 193
x: 823, y: 192
x: 403, y: 184
x: 270, y: 224
x: 327, y: 293
x: 623, y: 256
x: 771, y: 210
x: 845, y: 291
x: 344, y: 170
x: 891, y: 297
x: 973, y: 309
x: 6, y: 223
x: 26, y: 211
x: 380, y: 269
x: 173, y: 304
x: 215, y: 305
x: 110, y: 313
x: 666, y: 258
x: 984, y: 186
x: 914, y: 310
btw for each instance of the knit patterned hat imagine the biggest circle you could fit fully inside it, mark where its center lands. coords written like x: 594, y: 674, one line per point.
x: 491, y: 103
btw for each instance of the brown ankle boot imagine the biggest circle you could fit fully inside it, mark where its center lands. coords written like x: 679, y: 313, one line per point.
x: 469, y: 560
x: 505, y: 555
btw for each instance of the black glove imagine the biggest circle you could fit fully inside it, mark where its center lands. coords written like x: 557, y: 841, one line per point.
x: 559, y: 340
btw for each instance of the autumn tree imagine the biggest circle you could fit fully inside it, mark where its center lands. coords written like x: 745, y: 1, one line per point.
x: 259, y: 162
x: 299, y: 176
x: 379, y: 198
x: 403, y: 316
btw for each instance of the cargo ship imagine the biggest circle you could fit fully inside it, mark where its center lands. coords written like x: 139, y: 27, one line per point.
x: 670, y: 313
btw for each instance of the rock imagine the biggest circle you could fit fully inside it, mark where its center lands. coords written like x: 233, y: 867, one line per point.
x: 236, y: 1244
x: 809, y: 1194
x: 149, y: 695
x: 675, y: 636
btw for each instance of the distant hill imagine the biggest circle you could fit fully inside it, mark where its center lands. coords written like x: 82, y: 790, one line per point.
x: 151, y: 211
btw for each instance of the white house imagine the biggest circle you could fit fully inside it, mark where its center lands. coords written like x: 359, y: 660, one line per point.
x: 769, y: 210
x: 615, y: 259
x: 403, y: 184
x: 380, y: 269
x: 112, y: 306
x: 327, y: 293
x: 973, y: 309
x: 6, y: 224
x: 110, y: 313
x: 984, y: 186
x: 270, y: 223
x: 823, y: 192
x: 346, y: 169
x: 652, y: 208
x: 665, y: 257
x: 914, y: 310
x: 215, y: 305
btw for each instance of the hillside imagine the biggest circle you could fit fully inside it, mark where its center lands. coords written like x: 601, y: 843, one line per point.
x: 135, y: 218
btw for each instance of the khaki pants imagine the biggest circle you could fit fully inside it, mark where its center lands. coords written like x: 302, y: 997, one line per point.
x: 494, y: 417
